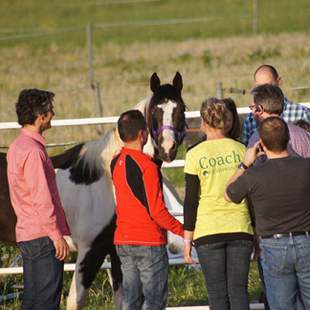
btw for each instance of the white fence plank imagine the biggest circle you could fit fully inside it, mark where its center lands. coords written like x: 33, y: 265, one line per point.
x: 110, y: 119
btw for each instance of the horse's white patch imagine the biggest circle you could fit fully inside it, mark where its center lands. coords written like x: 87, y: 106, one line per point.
x: 167, y: 134
x: 88, y: 208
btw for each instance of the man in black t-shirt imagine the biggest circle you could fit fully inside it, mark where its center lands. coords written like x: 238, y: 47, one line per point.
x: 279, y: 191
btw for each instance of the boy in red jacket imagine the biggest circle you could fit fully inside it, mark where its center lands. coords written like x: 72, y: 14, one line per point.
x: 142, y: 218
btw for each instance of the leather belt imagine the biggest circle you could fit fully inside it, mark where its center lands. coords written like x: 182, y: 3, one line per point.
x: 291, y: 234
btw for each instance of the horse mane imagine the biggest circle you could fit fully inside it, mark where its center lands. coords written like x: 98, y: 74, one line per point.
x: 95, y: 157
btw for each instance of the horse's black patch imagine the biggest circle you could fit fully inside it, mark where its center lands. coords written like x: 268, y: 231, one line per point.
x: 100, y: 247
x: 84, y: 172
x: 65, y: 160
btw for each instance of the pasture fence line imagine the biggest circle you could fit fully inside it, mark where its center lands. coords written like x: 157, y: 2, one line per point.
x: 113, y: 119
x: 178, y: 163
x: 71, y: 267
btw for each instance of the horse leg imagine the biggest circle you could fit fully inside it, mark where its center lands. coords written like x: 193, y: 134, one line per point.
x: 116, y: 279
x: 77, y: 293
x: 88, y: 264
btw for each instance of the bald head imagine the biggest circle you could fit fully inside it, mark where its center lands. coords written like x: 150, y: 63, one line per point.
x: 266, y: 74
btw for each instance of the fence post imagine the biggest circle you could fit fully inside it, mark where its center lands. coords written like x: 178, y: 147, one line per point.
x: 98, y: 99
x: 255, y: 16
x: 219, y: 90
x: 99, y: 107
x: 90, y: 54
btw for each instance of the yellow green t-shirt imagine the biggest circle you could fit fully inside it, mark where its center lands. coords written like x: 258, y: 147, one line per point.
x: 214, y: 162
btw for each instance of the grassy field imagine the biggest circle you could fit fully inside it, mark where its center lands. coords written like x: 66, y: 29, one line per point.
x: 43, y: 45
x: 214, y: 44
x: 117, y: 20
x: 186, y: 286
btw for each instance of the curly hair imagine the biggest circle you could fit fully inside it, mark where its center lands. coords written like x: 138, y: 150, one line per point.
x: 213, y: 112
x: 31, y: 103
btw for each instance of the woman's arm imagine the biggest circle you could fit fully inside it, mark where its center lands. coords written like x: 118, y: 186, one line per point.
x: 191, y: 201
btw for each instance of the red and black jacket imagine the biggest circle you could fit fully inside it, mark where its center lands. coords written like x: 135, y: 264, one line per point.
x: 142, y: 217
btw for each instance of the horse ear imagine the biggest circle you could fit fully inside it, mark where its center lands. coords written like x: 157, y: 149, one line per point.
x: 178, y: 81
x: 154, y: 82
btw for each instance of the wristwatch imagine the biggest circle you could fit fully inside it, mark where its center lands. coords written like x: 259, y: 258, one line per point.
x: 243, y: 166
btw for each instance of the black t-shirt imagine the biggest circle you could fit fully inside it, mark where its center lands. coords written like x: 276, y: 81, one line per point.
x: 279, y: 190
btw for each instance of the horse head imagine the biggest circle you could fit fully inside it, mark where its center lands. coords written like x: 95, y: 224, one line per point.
x: 166, y: 117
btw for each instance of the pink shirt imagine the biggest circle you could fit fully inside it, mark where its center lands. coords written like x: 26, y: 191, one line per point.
x: 33, y: 190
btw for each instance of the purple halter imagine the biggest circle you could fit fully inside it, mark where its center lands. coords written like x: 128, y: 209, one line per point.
x: 179, y: 134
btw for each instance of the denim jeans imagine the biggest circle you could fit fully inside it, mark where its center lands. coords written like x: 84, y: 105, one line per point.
x: 286, y: 268
x: 43, y: 275
x: 226, y: 267
x: 145, y: 276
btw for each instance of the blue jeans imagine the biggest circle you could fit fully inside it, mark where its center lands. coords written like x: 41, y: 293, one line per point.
x: 226, y: 268
x: 145, y: 276
x: 286, y: 268
x: 43, y: 275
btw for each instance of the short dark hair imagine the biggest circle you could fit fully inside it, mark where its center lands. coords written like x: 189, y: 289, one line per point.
x: 129, y: 124
x: 274, y: 133
x: 31, y: 103
x: 271, y: 68
x: 270, y: 97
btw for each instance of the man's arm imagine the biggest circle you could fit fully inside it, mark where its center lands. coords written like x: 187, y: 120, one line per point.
x: 155, y: 200
x: 249, y: 125
x: 237, y: 187
x: 44, y: 209
x: 306, y: 114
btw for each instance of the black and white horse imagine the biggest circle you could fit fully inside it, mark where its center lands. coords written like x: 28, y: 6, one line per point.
x: 86, y: 191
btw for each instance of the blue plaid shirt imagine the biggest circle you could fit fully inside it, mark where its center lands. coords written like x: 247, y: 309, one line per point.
x: 292, y: 112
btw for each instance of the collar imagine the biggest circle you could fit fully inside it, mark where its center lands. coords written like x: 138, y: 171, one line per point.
x: 285, y: 103
x: 134, y: 152
x: 34, y: 135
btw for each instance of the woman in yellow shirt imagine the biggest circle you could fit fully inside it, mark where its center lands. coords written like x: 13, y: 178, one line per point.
x: 220, y: 231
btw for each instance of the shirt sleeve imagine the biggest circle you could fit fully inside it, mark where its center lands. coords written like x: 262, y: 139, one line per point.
x: 246, y: 131
x: 190, y: 164
x: 239, y: 189
x: 157, y: 207
x: 192, y: 186
x: 306, y: 114
x: 35, y: 177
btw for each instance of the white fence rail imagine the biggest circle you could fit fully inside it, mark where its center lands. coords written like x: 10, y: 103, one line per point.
x: 111, y: 119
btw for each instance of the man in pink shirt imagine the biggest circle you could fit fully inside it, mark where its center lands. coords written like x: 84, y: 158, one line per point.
x: 41, y: 223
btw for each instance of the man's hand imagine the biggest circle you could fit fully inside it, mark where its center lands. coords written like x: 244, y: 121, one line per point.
x: 62, y: 249
x: 252, y: 153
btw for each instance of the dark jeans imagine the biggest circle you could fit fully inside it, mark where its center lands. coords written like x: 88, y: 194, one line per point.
x: 145, y: 276
x: 43, y: 275
x: 226, y: 268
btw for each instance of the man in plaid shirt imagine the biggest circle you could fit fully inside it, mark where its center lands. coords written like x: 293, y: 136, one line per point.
x: 267, y: 74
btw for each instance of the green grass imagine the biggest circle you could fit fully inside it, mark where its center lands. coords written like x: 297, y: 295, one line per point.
x: 186, y: 286
x: 221, y: 18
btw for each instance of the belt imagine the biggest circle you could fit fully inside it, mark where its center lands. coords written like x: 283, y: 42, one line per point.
x: 291, y: 234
